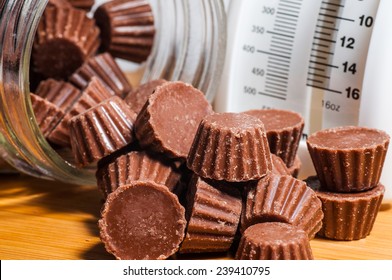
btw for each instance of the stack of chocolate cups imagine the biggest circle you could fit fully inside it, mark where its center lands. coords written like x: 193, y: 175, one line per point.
x: 348, y: 162
x: 231, y: 152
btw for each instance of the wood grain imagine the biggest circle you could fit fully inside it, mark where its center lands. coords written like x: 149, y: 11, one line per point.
x: 51, y: 220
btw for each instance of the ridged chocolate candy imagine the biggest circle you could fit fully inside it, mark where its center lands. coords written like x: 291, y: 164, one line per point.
x: 47, y: 114
x: 231, y: 147
x: 64, y: 40
x: 92, y: 95
x: 127, y: 28
x: 59, y: 3
x: 283, y: 199
x: 213, y: 214
x: 348, y: 216
x: 348, y: 159
x: 168, y: 122
x: 274, y: 241
x: 105, y: 68
x: 136, y: 166
x: 142, y: 221
x: 284, y: 130
x: 62, y: 94
x: 137, y: 98
x: 101, y: 130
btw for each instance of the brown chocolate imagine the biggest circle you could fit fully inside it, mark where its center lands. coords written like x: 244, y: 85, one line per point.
x: 278, y: 166
x: 60, y: 93
x: 296, y: 167
x: 105, y: 68
x: 59, y: 3
x: 64, y: 40
x: 101, y: 130
x: 284, y: 130
x: 347, y: 216
x: 137, y: 98
x: 231, y: 147
x: 142, y: 220
x: 283, y: 199
x: 136, y: 166
x: 213, y: 214
x: 127, y: 28
x: 274, y: 241
x: 47, y: 114
x: 92, y: 95
x: 348, y: 159
x: 168, y: 122
x: 82, y: 4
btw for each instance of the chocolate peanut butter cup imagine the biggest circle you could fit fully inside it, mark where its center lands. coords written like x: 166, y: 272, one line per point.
x: 142, y: 221
x: 136, y: 166
x: 127, y: 28
x: 274, y: 241
x: 348, y: 159
x: 168, y: 122
x: 105, y: 68
x: 47, y: 114
x: 62, y: 94
x: 92, y: 95
x: 65, y: 39
x: 231, y: 147
x: 101, y: 130
x: 347, y: 216
x: 213, y: 214
x: 284, y: 129
x: 283, y: 199
x: 137, y: 98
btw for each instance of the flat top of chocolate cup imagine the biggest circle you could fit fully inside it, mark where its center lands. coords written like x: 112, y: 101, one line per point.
x: 142, y: 220
x: 275, y: 119
x: 234, y: 122
x: 176, y: 110
x: 347, y: 138
x: 275, y: 233
x: 315, y: 185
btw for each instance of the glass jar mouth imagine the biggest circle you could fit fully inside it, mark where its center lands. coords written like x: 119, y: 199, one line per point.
x: 22, y: 143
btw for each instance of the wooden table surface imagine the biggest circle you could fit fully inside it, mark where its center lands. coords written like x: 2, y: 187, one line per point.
x: 51, y: 220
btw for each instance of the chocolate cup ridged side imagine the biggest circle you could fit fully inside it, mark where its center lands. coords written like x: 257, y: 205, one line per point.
x: 72, y: 34
x: 283, y: 199
x: 213, y: 216
x: 136, y: 166
x: 127, y: 29
x: 285, y: 143
x: 349, y: 171
x: 59, y: 3
x: 47, y: 115
x: 92, y: 95
x: 348, y: 216
x: 105, y: 68
x: 222, y: 155
x: 60, y: 93
x: 293, y: 247
x: 101, y: 130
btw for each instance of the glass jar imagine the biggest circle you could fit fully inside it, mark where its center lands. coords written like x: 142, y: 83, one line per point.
x: 189, y: 46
